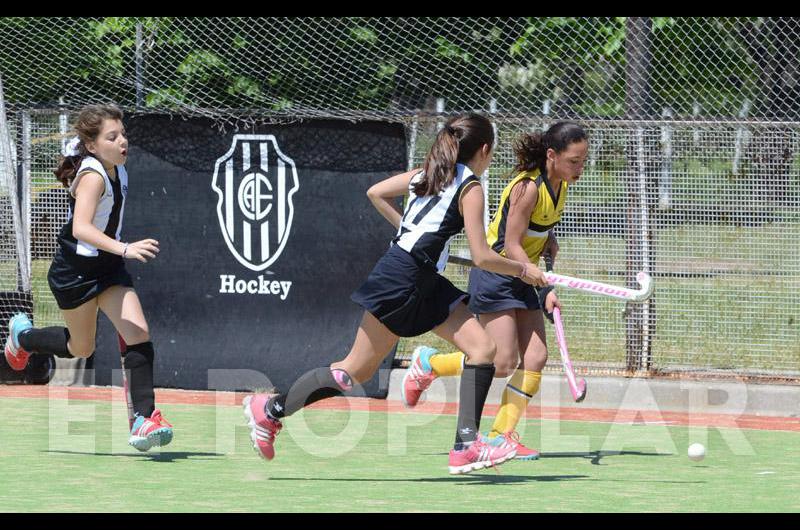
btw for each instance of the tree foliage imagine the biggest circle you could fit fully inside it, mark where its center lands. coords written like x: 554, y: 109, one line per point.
x: 705, y: 65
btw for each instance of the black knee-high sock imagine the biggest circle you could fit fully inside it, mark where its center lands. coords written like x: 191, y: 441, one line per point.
x: 52, y: 341
x: 313, y: 386
x: 138, y: 360
x: 475, y: 383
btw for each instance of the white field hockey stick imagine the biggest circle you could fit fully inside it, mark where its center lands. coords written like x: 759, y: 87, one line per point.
x: 589, y: 286
x: 125, y: 387
x: 604, y: 289
x: 577, y: 387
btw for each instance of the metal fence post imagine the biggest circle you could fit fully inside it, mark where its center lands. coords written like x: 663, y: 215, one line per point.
x: 412, y: 143
x: 637, y: 107
x: 24, y: 187
x: 646, y: 236
x: 139, y: 68
x: 63, y: 124
x: 741, y: 137
x: 485, y: 176
x: 665, y: 181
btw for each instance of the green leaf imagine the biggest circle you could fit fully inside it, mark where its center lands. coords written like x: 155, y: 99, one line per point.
x: 244, y: 86
x: 363, y: 34
x: 202, y: 64
x: 386, y: 71
x: 240, y: 42
x: 449, y: 50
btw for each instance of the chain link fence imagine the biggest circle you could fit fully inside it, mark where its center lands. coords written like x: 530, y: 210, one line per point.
x: 11, y: 243
x: 389, y: 68
x: 711, y: 211
x: 693, y: 170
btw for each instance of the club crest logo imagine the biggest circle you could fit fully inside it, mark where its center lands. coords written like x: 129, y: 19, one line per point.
x: 255, y: 182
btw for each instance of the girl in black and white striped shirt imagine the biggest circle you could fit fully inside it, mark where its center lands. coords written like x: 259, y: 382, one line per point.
x: 88, y: 271
x: 405, y: 295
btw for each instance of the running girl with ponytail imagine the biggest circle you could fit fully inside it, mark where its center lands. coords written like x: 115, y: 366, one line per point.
x: 405, y: 296
x: 510, y: 310
x: 88, y: 270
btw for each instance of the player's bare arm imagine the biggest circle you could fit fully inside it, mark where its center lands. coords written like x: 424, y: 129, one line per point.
x: 383, y: 193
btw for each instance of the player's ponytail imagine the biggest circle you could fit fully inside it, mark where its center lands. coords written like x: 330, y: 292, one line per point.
x: 531, y: 148
x: 88, y: 127
x: 530, y: 152
x: 68, y: 167
x: 457, y: 142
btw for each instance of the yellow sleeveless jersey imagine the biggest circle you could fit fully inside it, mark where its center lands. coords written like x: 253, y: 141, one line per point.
x: 546, y: 214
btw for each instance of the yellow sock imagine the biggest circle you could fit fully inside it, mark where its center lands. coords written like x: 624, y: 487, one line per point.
x: 522, y: 386
x: 448, y: 364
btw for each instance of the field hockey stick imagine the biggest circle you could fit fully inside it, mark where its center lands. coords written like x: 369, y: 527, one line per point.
x: 122, y: 348
x: 577, y: 387
x: 604, y: 289
x: 589, y: 286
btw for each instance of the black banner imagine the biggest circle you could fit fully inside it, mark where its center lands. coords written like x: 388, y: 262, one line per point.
x: 264, y: 234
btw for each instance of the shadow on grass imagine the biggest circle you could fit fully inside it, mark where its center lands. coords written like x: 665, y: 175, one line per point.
x: 594, y: 456
x: 464, y: 479
x: 157, y: 457
x: 597, y: 456
x: 484, y: 479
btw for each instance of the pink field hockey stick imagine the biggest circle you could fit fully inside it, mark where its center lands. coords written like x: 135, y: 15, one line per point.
x: 577, y: 387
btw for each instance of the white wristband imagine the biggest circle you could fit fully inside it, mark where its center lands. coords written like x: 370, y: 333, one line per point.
x: 125, y: 250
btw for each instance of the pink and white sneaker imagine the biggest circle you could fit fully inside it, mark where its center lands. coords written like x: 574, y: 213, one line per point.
x: 419, y: 376
x: 263, y: 429
x: 480, y: 455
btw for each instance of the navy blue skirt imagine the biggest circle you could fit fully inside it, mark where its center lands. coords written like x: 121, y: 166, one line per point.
x: 490, y: 292
x: 74, y: 280
x: 407, y: 297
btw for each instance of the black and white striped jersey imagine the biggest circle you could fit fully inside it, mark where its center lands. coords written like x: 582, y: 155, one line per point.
x: 430, y: 222
x: 107, y: 216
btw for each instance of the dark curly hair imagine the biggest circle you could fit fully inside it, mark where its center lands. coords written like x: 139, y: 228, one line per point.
x: 531, y: 148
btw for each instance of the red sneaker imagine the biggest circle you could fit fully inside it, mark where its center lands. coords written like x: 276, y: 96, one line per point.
x: 263, y: 429
x: 150, y: 432
x: 419, y: 376
x: 480, y: 455
x: 16, y: 356
x: 512, y: 438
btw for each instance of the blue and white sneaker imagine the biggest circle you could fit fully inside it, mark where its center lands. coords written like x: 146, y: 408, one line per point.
x: 511, y: 438
x: 16, y: 356
x: 154, y: 431
x: 419, y: 375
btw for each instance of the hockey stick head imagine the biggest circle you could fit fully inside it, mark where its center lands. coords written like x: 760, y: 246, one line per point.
x: 581, y: 390
x: 646, y: 281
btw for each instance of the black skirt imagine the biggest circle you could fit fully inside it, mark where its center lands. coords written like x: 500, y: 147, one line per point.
x: 74, y: 280
x: 408, y: 297
x: 490, y: 292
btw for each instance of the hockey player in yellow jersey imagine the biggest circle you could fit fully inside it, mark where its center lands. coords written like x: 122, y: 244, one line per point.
x: 530, y: 207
